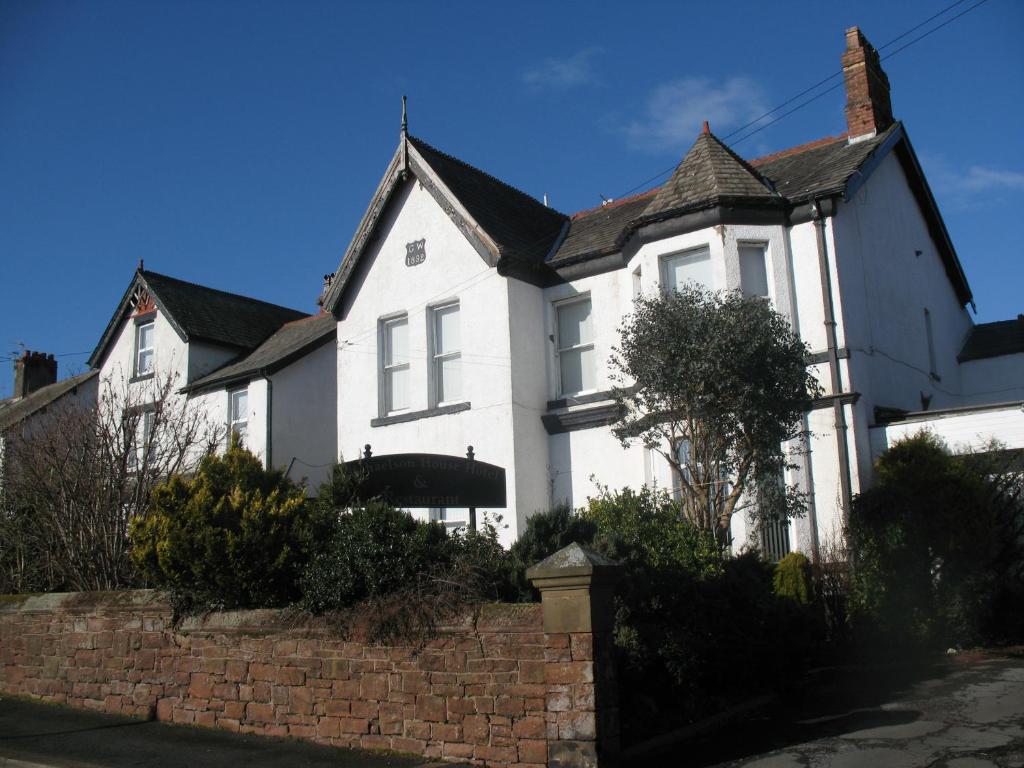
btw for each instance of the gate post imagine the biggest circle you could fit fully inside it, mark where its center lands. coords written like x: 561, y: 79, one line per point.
x: 577, y: 588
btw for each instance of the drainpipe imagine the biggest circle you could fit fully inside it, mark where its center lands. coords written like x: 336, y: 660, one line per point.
x: 838, y: 410
x: 268, y: 445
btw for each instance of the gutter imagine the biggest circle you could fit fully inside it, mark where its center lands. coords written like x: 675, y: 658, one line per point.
x: 835, y: 377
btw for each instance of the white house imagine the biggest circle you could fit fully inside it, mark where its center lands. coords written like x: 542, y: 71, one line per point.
x: 254, y: 368
x: 469, y: 313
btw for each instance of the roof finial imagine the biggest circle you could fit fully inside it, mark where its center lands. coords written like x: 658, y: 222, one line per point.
x: 405, y: 120
x: 706, y: 128
x: 142, y: 265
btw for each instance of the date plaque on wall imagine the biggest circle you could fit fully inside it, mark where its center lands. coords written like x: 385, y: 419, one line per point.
x: 415, y: 252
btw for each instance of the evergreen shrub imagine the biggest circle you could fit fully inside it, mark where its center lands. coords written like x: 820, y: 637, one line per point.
x: 235, y: 535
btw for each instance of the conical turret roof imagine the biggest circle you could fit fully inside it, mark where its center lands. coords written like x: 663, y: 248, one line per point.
x: 709, y: 172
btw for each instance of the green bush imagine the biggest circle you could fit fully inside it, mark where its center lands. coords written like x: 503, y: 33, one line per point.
x: 546, y: 533
x: 937, y: 544
x: 235, y: 535
x: 793, y: 578
x: 648, y: 528
x: 374, y: 550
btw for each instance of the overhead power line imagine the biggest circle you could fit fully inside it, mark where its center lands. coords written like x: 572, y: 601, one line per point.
x: 823, y: 81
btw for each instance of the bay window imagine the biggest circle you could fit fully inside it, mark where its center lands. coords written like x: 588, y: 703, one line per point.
x: 693, y: 266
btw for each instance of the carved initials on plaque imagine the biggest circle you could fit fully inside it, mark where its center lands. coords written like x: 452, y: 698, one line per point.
x: 415, y: 252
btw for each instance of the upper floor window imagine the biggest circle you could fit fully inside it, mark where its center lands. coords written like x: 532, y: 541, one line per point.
x: 689, y: 266
x: 575, y: 335
x: 394, y: 363
x: 754, y: 269
x: 144, y: 349
x: 238, y: 413
x: 446, y: 354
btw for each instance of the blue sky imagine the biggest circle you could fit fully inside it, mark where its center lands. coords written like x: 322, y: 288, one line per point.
x: 237, y: 144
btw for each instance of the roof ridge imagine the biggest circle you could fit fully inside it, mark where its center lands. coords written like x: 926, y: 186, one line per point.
x: 418, y: 141
x: 305, y: 319
x: 613, y: 204
x: 220, y: 291
x: 805, y: 147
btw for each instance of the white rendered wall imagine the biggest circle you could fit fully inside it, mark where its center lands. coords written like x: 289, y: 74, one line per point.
x: 304, y: 415
x: 452, y: 270
x: 890, y: 271
x: 993, y: 380
x: 961, y: 429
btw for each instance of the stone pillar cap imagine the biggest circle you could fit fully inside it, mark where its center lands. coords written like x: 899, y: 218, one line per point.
x: 575, y: 560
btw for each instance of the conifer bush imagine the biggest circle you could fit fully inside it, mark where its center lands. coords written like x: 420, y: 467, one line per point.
x: 793, y: 578
x: 236, y: 535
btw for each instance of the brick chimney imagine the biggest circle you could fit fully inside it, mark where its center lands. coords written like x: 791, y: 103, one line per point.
x: 868, y: 108
x: 32, y: 371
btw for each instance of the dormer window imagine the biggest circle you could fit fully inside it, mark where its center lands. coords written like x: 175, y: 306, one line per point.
x: 144, y: 349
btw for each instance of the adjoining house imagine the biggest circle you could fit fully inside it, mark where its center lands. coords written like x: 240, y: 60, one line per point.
x: 470, y: 313
x: 37, y: 392
x: 253, y: 368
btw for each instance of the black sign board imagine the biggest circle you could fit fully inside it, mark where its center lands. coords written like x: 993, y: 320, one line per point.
x: 430, y: 480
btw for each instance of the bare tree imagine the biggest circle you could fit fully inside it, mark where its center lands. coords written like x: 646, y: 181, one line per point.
x: 77, y: 476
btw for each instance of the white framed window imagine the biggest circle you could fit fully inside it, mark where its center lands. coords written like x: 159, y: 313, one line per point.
x: 445, y: 354
x: 238, y: 413
x: 574, y: 334
x: 754, y: 269
x: 637, y: 282
x: 692, y: 266
x: 144, y: 337
x: 394, y: 364
x: 142, y: 437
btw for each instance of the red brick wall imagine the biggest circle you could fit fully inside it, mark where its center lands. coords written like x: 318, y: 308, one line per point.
x: 495, y: 690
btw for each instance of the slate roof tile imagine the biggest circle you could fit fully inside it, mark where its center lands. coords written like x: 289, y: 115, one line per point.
x: 523, y: 228
x: 710, y: 171
x: 291, y: 341
x: 820, y: 169
x: 596, y: 232
x: 208, y: 314
x: 1004, y: 337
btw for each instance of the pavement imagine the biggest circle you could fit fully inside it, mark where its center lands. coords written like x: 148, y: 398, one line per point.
x: 34, y: 735
x: 965, y: 712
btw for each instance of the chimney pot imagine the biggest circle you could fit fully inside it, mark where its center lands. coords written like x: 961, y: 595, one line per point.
x: 868, y: 103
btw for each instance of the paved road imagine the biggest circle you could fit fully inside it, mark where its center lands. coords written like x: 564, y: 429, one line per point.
x: 968, y: 713
x: 39, y: 735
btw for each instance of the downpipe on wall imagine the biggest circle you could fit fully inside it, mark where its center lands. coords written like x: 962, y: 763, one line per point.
x: 835, y: 375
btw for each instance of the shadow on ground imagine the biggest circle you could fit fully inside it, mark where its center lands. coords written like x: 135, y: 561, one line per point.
x: 829, y: 702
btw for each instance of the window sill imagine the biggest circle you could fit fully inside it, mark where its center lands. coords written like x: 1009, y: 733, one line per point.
x: 142, y: 377
x: 583, y: 398
x: 400, y: 418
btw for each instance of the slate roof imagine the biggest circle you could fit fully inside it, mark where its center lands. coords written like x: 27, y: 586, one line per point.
x: 290, y: 342
x: 1005, y: 337
x: 709, y: 172
x: 523, y: 228
x: 596, y: 232
x: 225, y: 318
x: 820, y: 169
x: 199, y: 313
x: 16, y: 409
